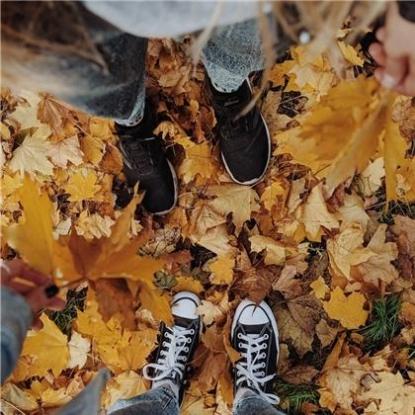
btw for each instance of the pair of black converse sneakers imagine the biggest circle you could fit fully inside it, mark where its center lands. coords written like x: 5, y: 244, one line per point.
x: 245, y: 146
x: 254, y: 334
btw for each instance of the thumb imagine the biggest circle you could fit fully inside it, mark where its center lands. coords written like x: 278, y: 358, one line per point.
x: 394, y: 72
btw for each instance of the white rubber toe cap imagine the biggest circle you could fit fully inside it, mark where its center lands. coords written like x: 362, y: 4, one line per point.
x: 185, y: 305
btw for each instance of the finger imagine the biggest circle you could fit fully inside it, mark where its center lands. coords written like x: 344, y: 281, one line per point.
x: 37, y: 299
x: 377, y: 52
x: 407, y: 87
x: 396, y: 69
x: 381, y: 34
x: 17, y: 267
x: 56, y: 304
x: 37, y: 324
x: 20, y: 287
x: 9, y: 269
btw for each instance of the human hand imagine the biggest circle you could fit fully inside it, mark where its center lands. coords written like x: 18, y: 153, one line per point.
x: 37, y: 289
x: 395, y: 53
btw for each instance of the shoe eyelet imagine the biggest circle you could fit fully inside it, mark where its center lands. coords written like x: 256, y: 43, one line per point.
x: 266, y: 337
x: 192, y: 331
x: 239, y: 335
x: 263, y: 365
x: 186, y: 349
x: 240, y: 345
x: 189, y: 340
x: 264, y: 346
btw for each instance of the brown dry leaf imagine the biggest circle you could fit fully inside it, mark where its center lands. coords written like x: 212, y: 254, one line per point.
x: 325, y: 333
x: 287, y: 284
x: 350, y: 54
x: 113, y: 297
x: 378, y: 269
x: 112, y: 161
x: 389, y: 394
x: 340, y: 384
x: 293, y: 333
x: 275, y: 252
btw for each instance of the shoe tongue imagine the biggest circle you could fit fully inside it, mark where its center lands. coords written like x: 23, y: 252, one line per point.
x: 253, y: 330
x: 183, y: 322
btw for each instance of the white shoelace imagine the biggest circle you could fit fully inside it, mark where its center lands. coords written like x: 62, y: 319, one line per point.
x: 249, y: 370
x: 171, y: 360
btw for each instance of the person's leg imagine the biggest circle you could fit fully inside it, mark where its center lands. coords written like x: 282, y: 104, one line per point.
x: 254, y: 334
x: 169, y: 369
x: 157, y: 401
x: 97, y: 68
x: 230, y: 55
x: 252, y: 403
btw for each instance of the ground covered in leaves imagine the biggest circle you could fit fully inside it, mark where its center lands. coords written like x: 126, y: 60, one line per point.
x: 328, y: 238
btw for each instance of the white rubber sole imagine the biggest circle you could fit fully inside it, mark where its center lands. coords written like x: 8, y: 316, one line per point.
x: 268, y: 312
x: 176, y: 191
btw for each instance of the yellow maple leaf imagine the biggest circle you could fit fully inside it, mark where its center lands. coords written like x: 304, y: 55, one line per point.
x: 119, y: 349
x: 188, y: 284
x: 270, y: 194
x: 241, y: 201
x: 47, y: 350
x: 33, y: 238
x: 348, y: 310
x: 396, y: 162
x: 315, y: 215
x: 198, y: 161
x: 319, y: 287
x: 153, y: 300
x: 93, y: 149
x: 82, y: 185
x: 350, y: 54
x: 32, y: 155
x: 222, y: 270
x: 64, y: 151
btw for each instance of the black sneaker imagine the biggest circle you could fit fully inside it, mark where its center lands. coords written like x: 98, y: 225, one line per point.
x: 255, y: 336
x: 245, y: 142
x: 145, y: 162
x: 177, y: 345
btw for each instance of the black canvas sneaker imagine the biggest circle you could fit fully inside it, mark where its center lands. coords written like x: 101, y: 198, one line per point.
x: 254, y: 335
x: 177, y: 345
x: 245, y: 142
x: 145, y: 162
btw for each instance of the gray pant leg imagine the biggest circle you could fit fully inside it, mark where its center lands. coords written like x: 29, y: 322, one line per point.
x: 114, y: 89
x: 159, y: 401
x: 253, y: 404
x: 232, y: 53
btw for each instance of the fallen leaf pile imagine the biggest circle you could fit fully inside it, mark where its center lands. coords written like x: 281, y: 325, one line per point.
x: 326, y: 234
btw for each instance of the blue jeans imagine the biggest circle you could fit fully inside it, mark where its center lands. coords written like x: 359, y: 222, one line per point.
x: 161, y: 401
x: 115, y: 88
